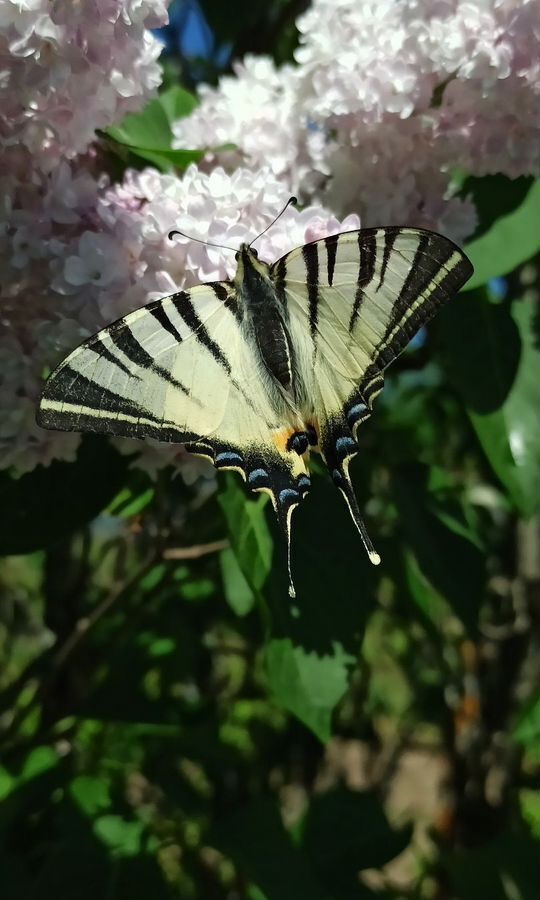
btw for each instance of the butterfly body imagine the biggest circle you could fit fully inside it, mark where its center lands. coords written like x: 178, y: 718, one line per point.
x: 265, y: 315
x: 257, y: 372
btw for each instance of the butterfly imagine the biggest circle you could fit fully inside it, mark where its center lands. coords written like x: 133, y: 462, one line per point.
x: 257, y: 372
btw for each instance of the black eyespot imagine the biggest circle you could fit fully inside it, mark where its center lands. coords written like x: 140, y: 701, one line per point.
x: 255, y: 254
x: 237, y: 254
x: 298, y: 442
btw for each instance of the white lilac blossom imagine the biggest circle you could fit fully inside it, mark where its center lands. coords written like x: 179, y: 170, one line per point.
x: 93, y: 252
x: 249, y: 115
x: 71, y: 67
x: 387, y: 100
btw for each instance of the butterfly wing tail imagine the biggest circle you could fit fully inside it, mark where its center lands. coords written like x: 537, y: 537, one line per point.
x: 338, y: 447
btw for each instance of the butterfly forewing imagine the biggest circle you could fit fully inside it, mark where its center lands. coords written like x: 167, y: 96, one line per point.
x: 362, y: 295
x: 152, y: 373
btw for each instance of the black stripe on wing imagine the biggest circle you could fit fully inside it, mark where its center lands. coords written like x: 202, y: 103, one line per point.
x: 390, y: 235
x: 186, y: 311
x: 71, y: 388
x: 438, y: 271
x: 279, y: 272
x: 157, y: 310
x: 331, y: 244
x: 311, y: 260
x: 73, y: 402
x: 228, y: 297
x: 100, y: 349
x: 367, y: 248
x: 124, y: 339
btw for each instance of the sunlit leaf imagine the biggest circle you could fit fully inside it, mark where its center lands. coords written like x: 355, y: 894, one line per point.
x: 148, y: 134
x: 496, y: 373
x: 237, y: 591
x: 512, y: 239
x: 248, y: 532
x: 526, y: 729
x: 177, y: 103
x: 121, y: 836
x: 495, y: 196
x: 308, y: 684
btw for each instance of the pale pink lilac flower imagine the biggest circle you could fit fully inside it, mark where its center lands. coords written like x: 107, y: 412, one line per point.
x: 423, y: 88
x: 71, y: 67
x: 388, y: 99
x: 253, y: 110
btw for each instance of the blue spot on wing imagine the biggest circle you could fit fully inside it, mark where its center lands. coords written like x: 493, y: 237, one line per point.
x: 357, y: 410
x: 345, y: 444
x: 229, y: 458
x: 257, y: 474
x: 288, y: 494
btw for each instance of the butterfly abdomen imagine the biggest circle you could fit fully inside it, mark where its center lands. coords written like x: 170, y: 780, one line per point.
x: 275, y: 350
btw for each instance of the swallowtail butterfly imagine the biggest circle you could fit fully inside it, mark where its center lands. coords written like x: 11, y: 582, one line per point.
x: 257, y: 372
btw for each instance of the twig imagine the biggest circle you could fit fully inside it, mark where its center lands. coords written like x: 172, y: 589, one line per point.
x: 196, y: 551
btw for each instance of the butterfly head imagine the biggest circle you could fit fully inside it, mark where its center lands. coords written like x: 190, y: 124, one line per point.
x: 250, y: 270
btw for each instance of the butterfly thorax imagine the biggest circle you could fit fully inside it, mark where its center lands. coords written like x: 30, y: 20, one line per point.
x: 264, y: 315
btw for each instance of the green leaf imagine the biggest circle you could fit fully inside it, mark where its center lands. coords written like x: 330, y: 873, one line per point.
x: 451, y: 562
x: 122, y: 837
x: 248, y: 532
x: 306, y: 683
x: 512, y: 240
x: 527, y: 727
x: 496, y: 373
x: 237, y: 591
x: 150, y: 129
x: 255, y: 839
x: 168, y: 159
x: 421, y: 591
x: 495, y: 196
x: 38, y: 761
x: 148, y: 134
x: 50, y: 503
x: 177, y: 103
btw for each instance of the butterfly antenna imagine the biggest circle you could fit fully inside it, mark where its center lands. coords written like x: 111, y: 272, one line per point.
x: 292, y: 201
x: 198, y: 241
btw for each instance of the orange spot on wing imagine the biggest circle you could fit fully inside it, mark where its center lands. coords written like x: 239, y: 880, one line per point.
x: 281, y: 436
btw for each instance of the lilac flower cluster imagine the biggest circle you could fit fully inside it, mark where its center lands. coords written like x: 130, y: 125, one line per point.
x: 71, y: 67
x: 387, y: 100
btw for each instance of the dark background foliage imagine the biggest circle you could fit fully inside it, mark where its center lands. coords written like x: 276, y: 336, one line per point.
x: 171, y: 726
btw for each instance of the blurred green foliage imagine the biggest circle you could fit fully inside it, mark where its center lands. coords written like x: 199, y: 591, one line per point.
x: 171, y: 725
